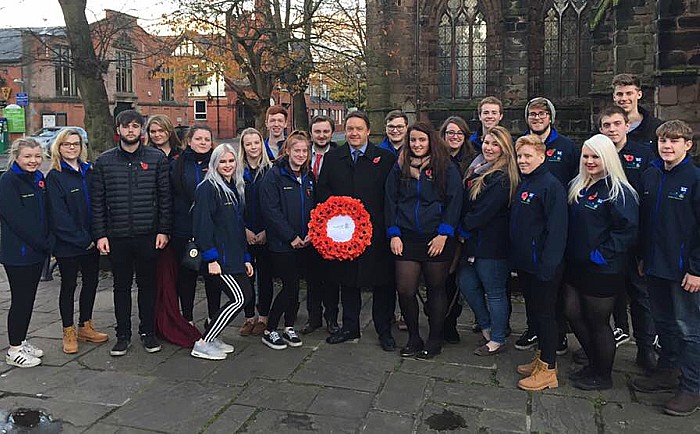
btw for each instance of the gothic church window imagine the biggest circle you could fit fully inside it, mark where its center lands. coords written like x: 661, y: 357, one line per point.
x: 462, y: 50
x: 564, y: 34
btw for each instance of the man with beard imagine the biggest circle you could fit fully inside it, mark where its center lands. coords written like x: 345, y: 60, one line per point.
x: 627, y: 91
x: 490, y: 115
x: 396, y: 123
x: 359, y: 169
x: 321, y: 291
x: 131, y: 221
x: 275, y: 122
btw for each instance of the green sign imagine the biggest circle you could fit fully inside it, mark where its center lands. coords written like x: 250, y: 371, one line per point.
x: 15, y: 119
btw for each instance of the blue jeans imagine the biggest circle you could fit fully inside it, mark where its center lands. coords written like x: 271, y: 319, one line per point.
x: 483, y: 284
x: 677, y: 318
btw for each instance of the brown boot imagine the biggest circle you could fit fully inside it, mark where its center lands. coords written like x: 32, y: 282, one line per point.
x: 528, y: 368
x: 87, y: 333
x: 683, y: 404
x: 247, y: 327
x: 542, y: 378
x: 70, y: 340
x: 259, y: 327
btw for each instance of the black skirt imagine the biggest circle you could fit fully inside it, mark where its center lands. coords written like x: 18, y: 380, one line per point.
x: 415, y: 248
x: 592, y: 283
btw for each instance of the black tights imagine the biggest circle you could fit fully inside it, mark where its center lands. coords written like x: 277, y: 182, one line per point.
x: 435, y: 274
x: 590, y: 320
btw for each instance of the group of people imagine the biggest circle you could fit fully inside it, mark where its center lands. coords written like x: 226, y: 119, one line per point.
x: 583, y: 228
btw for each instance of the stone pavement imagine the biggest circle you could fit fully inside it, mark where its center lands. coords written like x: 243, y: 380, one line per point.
x: 315, y: 388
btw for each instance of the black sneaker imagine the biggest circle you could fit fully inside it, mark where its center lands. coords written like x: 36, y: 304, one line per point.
x: 563, y: 347
x: 291, y: 337
x: 121, y: 347
x: 526, y: 341
x: 273, y: 340
x: 150, y: 343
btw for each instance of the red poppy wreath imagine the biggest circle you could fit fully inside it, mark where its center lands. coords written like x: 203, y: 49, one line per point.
x: 340, y: 228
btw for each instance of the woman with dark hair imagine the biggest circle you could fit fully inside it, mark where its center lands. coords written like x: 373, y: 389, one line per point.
x: 162, y: 135
x: 67, y: 186
x: 423, y: 204
x: 25, y: 243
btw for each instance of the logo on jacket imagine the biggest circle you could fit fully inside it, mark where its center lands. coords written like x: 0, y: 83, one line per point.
x: 554, y: 155
x: 593, y: 201
x: 526, y: 197
x: 679, y: 195
x: 632, y: 162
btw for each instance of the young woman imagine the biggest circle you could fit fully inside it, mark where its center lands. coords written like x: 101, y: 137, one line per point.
x: 603, y: 221
x: 286, y: 196
x: 423, y: 205
x: 538, y: 223
x: 454, y: 132
x: 24, y: 244
x: 490, y: 181
x: 69, y: 215
x: 256, y: 163
x: 219, y: 232
x: 161, y: 135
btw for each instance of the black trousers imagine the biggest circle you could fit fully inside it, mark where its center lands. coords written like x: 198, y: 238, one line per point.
x: 640, y: 308
x: 289, y: 266
x: 541, y: 304
x: 89, y: 266
x: 454, y: 309
x: 187, y: 285
x: 237, y: 289
x: 383, y: 307
x: 322, y: 294
x: 262, y: 280
x: 129, y: 256
x: 24, y: 281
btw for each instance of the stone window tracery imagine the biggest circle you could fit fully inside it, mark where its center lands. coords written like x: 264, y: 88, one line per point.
x: 564, y: 28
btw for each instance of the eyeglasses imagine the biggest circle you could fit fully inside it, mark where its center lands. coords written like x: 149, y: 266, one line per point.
x: 70, y: 145
x: 454, y: 133
x: 395, y: 127
x: 538, y: 115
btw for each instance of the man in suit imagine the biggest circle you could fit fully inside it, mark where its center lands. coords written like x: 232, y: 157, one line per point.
x: 359, y: 170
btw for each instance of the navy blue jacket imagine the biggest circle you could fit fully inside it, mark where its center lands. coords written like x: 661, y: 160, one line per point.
x: 484, y: 222
x: 286, y: 205
x: 218, y: 229
x: 253, y: 210
x: 477, y: 137
x: 24, y: 228
x: 69, y: 209
x: 635, y: 159
x: 670, y: 217
x: 270, y: 155
x: 185, y: 175
x: 645, y: 133
x: 562, y: 157
x: 386, y: 144
x: 538, y: 225
x: 601, y: 232
x: 416, y: 205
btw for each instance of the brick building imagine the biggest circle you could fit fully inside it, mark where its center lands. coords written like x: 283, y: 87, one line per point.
x: 440, y: 57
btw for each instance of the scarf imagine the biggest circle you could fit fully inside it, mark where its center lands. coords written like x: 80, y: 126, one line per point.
x: 417, y: 165
x: 478, y: 167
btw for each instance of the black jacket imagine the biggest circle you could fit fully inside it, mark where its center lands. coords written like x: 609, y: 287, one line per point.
x: 69, y: 209
x: 670, y: 217
x: 484, y: 222
x: 635, y: 159
x: 363, y: 180
x: 286, y: 204
x: 218, y: 229
x: 131, y: 193
x: 186, y: 172
x: 538, y: 225
x: 601, y: 233
x: 562, y: 157
x: 645, y: 133
x: 24, y: 228
x: 253, y: 209
x: 417, y: 206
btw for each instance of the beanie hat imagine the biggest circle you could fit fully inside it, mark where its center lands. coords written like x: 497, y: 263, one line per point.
x: 552, y: 110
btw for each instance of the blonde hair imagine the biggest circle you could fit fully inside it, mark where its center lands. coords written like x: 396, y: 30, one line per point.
x: 506, y: 163
x: 616, y: 180
x: 531, y: 140
x: 214, y: 177
x: 165, y: 123
x: 295, y: 137
x: 56, y: 148
x: 263, y: 161
x: 17, y: 145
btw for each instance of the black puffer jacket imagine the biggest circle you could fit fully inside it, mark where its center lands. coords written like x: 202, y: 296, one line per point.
x: 131, y: 193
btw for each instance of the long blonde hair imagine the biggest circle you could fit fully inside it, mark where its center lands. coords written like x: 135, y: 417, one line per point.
x: 506, y: 163
x: 56, y: 147
x: 604, y: 148
x: 263, y: 161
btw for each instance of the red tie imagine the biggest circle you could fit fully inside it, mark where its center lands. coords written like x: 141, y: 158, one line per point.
x: 317, y: 165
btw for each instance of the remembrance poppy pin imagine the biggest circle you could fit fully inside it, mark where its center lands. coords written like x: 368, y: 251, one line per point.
x: 144, y: 166
x: 376, y: 160
x: 629, y: 157
x: 524, y: 195
x: 41, y: 184
x: 550, y: 152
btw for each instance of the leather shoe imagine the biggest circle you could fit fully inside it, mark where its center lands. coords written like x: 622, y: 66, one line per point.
x: 411, y: 349
x: 332, y: 327
x: 310, y: 327
x: 427, y: 354
x: 342, y: 336
x: 387, y: 343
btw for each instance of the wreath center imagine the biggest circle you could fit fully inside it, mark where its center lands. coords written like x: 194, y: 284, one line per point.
x: 340, y: 228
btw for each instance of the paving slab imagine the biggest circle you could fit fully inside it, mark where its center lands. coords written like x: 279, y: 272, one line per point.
x: 637, y: 418
x: 384, y: 422
x: 275, y: 421
x: 559, y: 414
x: 402, y: 393
x: 341, y: 403
x: 448, y: 371
x: 278, y: 395
x: 230, y: 420
x: 480, y: 396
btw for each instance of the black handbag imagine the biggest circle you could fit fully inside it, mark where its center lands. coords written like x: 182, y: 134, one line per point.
x: 192, y: 258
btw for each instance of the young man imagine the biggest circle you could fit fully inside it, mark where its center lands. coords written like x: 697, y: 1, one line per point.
x: 627, y: 91
x: 359, y: 169
x: 635, y: 159
x: 322, y: 292
x: 670, y: 223
x: 131, y: 221
x: 275, y: 122
x: 396, y: 123
x: 490, y: 115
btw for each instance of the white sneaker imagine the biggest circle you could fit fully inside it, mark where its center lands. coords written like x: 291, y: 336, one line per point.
x: 31, y: 349
x: 21, y: 358
x: 207, y: 350
x: 223, y: 346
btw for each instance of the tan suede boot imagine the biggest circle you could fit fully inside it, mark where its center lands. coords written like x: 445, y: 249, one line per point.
x: 87, y: 333
x: 70, y: 340
x: 527, y: 368
x: 542, y: 378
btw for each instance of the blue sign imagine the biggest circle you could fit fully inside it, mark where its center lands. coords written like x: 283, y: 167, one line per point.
x: 22, y: 99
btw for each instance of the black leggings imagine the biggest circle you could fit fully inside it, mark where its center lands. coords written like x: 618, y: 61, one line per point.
x: 24, y: 281
x: 89, y: 267
x: 289, y: 266
x: 263, y: 278
x: 237, y: 289
x: 435, y: 275
x: 187, y: 285
x: 589, y: 317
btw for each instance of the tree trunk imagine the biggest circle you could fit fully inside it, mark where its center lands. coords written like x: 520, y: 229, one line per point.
x: 301, y: 116
x: 88, y: 73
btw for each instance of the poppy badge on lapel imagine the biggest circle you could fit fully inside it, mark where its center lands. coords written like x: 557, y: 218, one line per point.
x: 377, y: 160
x: 144, y: 165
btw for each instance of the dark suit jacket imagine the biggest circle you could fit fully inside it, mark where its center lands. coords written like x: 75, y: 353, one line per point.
x: 364, y: 181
